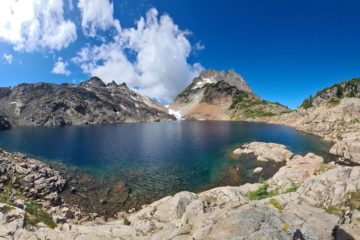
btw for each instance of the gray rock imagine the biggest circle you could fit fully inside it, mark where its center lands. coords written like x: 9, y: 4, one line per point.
x: 88, y: 103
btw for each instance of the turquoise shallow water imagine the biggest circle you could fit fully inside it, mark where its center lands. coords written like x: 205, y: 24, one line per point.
x: 157, y: 159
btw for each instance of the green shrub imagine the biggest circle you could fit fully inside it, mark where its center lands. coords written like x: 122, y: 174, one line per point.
x: 333, y: 210
x: 126, y: 221
x: 307, y: 103
x: 238, y: 97
x: 293, y: 188
x: 334, y: 101
x: 261, y: 193
x: 35, y: 215
x: 353, y: 200
x: 339, y: 91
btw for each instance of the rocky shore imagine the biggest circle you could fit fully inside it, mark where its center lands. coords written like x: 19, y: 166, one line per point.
x: 305, y: 199
x: 332, y: 113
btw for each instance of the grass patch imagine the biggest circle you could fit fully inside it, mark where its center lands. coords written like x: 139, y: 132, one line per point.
x: 293, y: 187
x: 251, y: 107
x: 358, y: 219
x: 353, y: 200
x: 285, y: 227
x: 334, y: 101
x: 6, y: 209
x: 35, y: 215
x: 276, y: 204
x: 127, y: 221
x: 324, y: 167
x: 262, y: 192
x: 332, y: 210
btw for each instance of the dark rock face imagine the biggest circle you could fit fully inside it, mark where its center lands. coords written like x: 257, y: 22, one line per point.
x: 4, y: 124
x: 32, y: 178
x: 90, y: 102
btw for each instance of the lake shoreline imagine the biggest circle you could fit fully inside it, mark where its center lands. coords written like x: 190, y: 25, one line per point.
x: 98, y: 194
x: 176, y: 212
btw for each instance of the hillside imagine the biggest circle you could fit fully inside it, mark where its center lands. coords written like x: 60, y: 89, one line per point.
x: 222, y: 96
x: 333, y: 113
x: 90, y: 102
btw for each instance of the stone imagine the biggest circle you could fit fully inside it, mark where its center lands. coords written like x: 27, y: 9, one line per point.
x: 20, y: 203
x: 266, y: 151
x: 59, y: 219
x: 296, y: 171
x: 257, y: 170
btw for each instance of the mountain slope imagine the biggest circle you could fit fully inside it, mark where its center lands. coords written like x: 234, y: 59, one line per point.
x: 68, y: 104
x: 333, y: 113
x: 222, y: 96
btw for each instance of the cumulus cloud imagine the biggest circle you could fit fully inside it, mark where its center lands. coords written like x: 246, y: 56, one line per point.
x: 31, y: 25
x: 97, y: 15
x: 60, y: 68
x: 160, y: 49
x: 8, y: 58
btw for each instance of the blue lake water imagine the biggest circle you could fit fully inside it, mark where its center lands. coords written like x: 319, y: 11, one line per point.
x: 159, y: 158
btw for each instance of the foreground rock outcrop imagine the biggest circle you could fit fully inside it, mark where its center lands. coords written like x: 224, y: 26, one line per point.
x: 322, y: 203
x: 265, y: 151
x: 222, y: 96
x: 69, y: 104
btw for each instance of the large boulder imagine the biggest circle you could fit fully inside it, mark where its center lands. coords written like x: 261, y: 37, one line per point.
x: 269, y: 151
x: 332, y: 188
x: 296, y: 171
x: 347, y: 150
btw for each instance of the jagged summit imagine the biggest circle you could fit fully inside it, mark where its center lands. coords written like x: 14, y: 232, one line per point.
x: 94, y: 81
x: 90, y: 102
x: 112, y: 84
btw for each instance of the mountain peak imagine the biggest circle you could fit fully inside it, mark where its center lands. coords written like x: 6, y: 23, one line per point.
x: 112, y: 84
x: 95, y: 81
x: 230, y: 77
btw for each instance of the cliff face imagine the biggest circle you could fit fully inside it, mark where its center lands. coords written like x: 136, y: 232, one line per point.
x: 68, y: 104
x: 333, y: 113
x: 222, y: 96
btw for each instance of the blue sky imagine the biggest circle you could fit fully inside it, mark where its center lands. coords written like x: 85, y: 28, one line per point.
x: 286, y: 50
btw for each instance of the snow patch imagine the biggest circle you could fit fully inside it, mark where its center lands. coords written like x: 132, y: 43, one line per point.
x: 177, y: 114
x: 204, y: 81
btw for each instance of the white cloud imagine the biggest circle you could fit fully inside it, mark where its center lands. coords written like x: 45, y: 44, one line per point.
x: 8, y: 58
x: 31, y: 25
x: 160, y: 49
x: 71, y: 5
x: 199, y: 46
x: 97, y: 15
x: 60, y: 68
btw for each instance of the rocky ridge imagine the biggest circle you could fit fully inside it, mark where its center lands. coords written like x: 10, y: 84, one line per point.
x: 90, y: 102
x: 333, y: 113
x: 321, y: 203
x: 222, y: 96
